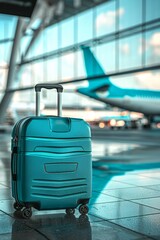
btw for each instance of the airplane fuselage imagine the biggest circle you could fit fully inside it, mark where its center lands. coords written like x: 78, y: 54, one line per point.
x: 147, y: 106
x: 104, y: 90
x: 143, y: 101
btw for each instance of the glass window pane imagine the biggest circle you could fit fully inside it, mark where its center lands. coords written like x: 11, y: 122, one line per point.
x: 26, y: 76
x: 38, y: 72
x: 7, y: 26
x: 106, y: 56
x: 5, y: 51
x: 67, y: 33
x: 51, y: 72
x: 141, y: 80
x: 153, y: 47
x: 80, y: 64
x: 24, y: 44
x: 23, y: 104
x: 131, y: 13
x: 152, y: 9
x: 130, y: 52
x: 3, y: 75
x: 38, y: 46
x: 67, y: 66
x: 85, y: 26
x: 105, y: 21
x: 51, y: 38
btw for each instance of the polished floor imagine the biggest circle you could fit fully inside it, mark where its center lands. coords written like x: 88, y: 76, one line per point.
x: 126, y: 193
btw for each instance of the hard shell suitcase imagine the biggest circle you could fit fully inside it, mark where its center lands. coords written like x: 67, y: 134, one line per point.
x: 51, y: 161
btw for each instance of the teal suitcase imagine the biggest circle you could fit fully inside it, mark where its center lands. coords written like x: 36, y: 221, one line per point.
x: 51, y: 162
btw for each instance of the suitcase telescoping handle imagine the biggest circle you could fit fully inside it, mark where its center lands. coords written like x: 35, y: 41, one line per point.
x: 59, y: 88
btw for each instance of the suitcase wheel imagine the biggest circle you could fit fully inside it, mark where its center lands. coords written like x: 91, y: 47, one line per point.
x: 83, y: 209
x: 17, y: 206
x: 70, y: 211
x: 26, y: 213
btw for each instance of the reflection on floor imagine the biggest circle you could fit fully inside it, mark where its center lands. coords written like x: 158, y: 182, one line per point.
x: 125, y: 202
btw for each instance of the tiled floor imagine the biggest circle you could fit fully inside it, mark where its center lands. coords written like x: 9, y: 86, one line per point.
x: 126, y: 194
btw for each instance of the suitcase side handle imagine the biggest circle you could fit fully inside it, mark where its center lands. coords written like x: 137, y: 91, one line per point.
x: 59, y: 89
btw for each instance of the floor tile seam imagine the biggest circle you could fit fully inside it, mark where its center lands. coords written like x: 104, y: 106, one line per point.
x: 25, y: 222
x: 146, y: 187
x: 126, y: 199
x: 96, y: 221
x: 151, y: 187
x: 130, y: 217
x: 145, y: 205
x: 115, y: 189
x: 91, y: 204
x: 143, y: 235
x: 121, y: 226
x: 104, y: 192
x: 38, y: 231
x: 151, y: 208
x: 114, y: 197
x: 126, y: 183
x: 121, y: 199
x: 135, y: 185
x: 145, y: 174
x: 8, y: 214
x: 132, y: 199
x: 130, y: 186
x: 157, y: 178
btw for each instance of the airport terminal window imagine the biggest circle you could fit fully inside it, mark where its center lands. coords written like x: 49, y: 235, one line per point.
x: 3, y: 74
x: 85, y: 26
x: 127, y: 81
x: 51, y: 38
x: 153, y: 47
x: 51, y: 67
x: 5, y: 52
x: 130, y: 13
x: 67, y: 66
x: 26, y: 104
x: 7, y: 26
x: 130, y: 52
x: 38, y: 72
x: 141, y: 80
x: 67, y: 32
x: 152, y: 9
x: 105, y: 21
x: 106, y: 56
x: 25, y: 77
x: 70, y: 99
x: 80, y: 63
x: 24, y: 44
x: 39, y: 46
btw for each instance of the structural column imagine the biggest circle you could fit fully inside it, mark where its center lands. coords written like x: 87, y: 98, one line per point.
x: 11, y: 79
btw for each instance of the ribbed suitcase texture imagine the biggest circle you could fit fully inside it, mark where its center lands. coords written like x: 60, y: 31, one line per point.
x: 51, y: 163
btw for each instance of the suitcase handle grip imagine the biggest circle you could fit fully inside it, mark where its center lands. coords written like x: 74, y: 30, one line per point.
x: 59, y: 89
x: 39, y: 86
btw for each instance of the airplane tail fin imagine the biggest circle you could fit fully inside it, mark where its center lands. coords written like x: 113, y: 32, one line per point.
x: 93, y: 68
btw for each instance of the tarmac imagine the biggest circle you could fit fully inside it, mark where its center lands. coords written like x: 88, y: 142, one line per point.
x: 125, y: 201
